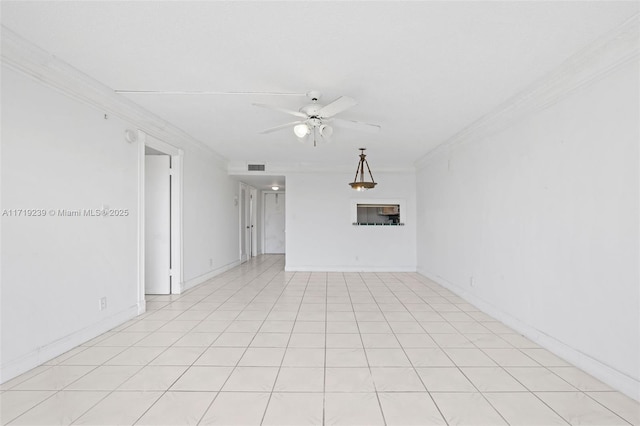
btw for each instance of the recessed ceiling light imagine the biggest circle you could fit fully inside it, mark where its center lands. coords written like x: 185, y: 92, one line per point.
x: 275, y: 188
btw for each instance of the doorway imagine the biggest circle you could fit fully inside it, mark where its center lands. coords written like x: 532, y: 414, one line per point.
x: 159, y: 218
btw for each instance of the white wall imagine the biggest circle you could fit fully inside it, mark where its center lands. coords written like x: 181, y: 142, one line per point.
x: 319, y: 230
x: 59, y: 153
x: 210, y: 218
x: 274, y: 222
x: 543, y: 217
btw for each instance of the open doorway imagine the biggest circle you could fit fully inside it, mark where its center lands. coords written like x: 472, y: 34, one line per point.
x: 251, y: 214
x: 160, y: 223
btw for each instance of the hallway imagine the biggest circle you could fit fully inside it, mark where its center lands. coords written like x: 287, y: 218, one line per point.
x: 257, y: 345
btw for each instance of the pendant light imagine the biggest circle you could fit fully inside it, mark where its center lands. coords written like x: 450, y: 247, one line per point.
x: 361, y: 184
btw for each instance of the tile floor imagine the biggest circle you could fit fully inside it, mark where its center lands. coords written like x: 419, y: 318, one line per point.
x: 259, y: 346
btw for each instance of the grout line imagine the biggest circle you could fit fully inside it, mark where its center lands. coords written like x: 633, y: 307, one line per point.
x: 498, y: 366
x: 326, y: 330
x: 210, y: 345
x: 402, y: 347
x: 455, y: 365
x: 587, y: 393
x: 254, y: 335
x: 364, y: 349
x: 266, y: 407
x: 258, y: 281
x: 528, y: 390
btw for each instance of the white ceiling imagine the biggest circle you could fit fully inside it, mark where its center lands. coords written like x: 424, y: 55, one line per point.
x: 422, y: 70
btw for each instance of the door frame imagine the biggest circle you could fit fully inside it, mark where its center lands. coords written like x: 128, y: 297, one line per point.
x: 242, y: 215
x: 247, y: 206
x: 253, y: 193
x: 176, y: 171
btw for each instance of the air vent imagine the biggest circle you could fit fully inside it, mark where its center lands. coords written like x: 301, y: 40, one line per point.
x: 255, y: 167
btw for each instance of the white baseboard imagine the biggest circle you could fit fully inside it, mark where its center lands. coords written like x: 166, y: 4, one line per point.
x: 142, y: 307
x: 609, y: 375
x: 350, y: 268
x: 15, y: 367
x: 204, y: 277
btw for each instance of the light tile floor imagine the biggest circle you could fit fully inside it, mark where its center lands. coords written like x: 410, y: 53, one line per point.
x: 257, y: 345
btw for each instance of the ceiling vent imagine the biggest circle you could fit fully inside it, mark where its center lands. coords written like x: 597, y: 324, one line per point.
x: 255, y: 167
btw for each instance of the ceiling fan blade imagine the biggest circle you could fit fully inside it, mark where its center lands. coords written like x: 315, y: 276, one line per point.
x: 282, y: 126
x: 358, y: 125
x: 285, y: 110
x: 337, y: 106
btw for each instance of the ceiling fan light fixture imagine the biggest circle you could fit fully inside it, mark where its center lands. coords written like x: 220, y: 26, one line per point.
x: 312, y: 118
x: 360, y: 184
x: 326, y: 131
x: 301, y: 130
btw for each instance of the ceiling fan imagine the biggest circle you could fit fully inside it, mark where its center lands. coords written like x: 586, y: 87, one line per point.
x: 314, y: 118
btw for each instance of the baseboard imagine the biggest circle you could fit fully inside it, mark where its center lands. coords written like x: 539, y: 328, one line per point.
x: 142, y: 307
x: 609, y: 375
x: 350, y: 268
x: 56, y: 348
x: 202, y: 278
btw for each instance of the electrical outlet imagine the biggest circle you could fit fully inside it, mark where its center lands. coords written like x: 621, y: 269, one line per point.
x: 102, y: 303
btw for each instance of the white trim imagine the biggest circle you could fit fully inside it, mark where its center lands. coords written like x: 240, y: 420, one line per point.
x: 162, y: 146
x: 142, y: 307
x: 605, y: 55
x: 253, y: 192
x: 202, y: 278
x: 350, y: 269
x: 247, y: 203
x: 176, y: 222
x: 56, y: 348
x: 142, y: 304
x: 242, y: 209
x: 612, y: 377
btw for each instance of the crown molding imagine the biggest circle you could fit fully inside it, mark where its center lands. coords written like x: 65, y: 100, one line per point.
x: 613, y: 50
x: 29, y: 59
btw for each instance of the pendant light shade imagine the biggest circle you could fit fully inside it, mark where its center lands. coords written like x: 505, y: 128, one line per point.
x: 359, y: 183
